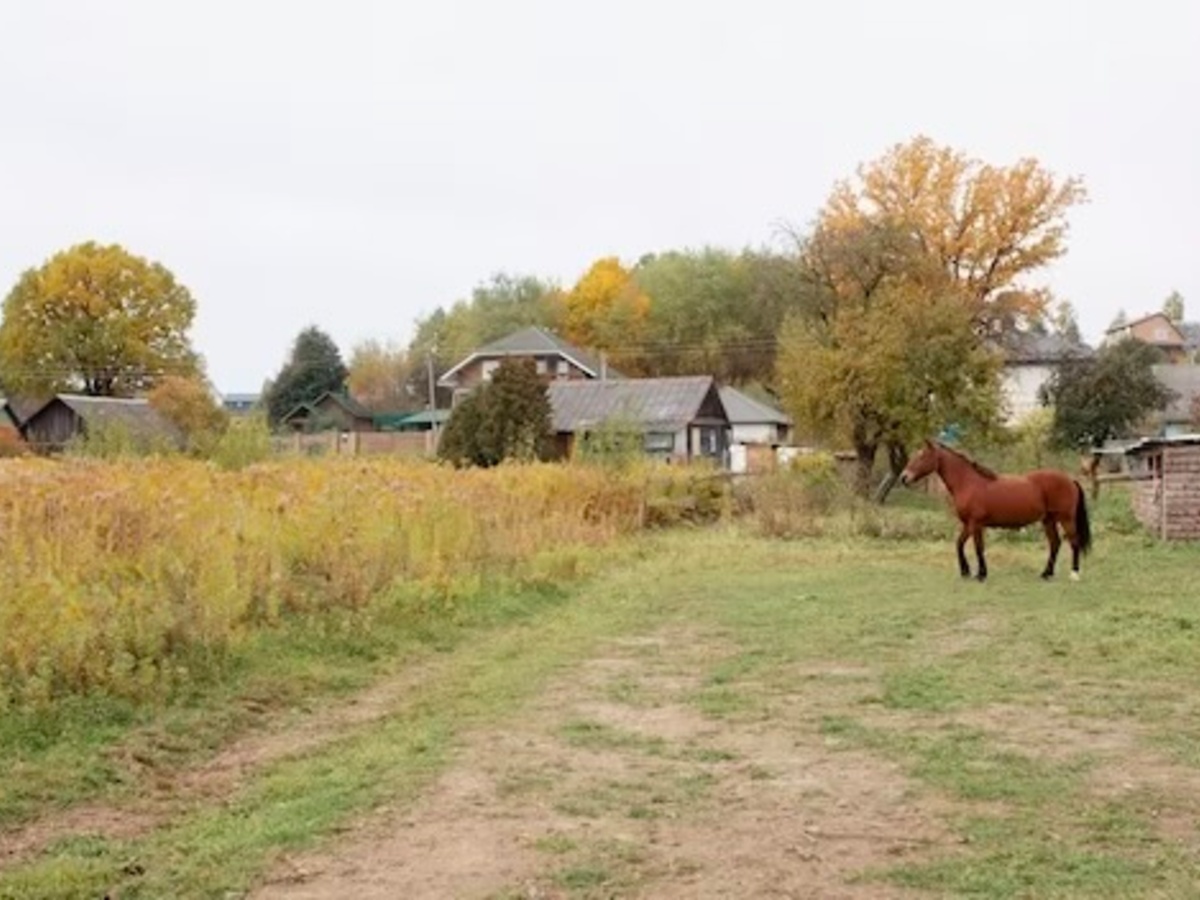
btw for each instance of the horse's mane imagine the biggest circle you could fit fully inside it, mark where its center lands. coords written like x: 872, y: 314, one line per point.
x: 977, y: 466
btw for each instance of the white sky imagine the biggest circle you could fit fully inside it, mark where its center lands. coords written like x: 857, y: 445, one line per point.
x: 356, y: 164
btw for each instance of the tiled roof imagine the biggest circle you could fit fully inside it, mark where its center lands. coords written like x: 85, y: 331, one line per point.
x: 533, y: 341
x: 745, y: 410
x: 666, y: 404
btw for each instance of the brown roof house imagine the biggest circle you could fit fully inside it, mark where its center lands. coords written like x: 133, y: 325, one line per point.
x: 67, y: 417
x: 329, y: 412
x: 681, y: 419
x: 1177, y: 342
x: 556, y: 360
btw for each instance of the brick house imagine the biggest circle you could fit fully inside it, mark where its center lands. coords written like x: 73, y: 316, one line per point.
x: 1177, y: 342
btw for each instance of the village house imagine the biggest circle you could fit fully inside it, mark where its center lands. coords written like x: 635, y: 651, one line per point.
x: 67, y: 417
x: 1030, y: 361
x: 555, y: 359
x: 330, y: 411
x: 679, y: 419
x: 1178, y: 342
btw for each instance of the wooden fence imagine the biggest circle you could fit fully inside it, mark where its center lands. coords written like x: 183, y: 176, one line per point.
x: 359, y: 443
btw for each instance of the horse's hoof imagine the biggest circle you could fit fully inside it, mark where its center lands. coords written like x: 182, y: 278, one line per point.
x: 1074, y: 576
x: 1046, y: 576
x: 981, y: 578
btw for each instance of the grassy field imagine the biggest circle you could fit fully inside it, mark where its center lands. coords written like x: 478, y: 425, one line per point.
x: 707, y: 712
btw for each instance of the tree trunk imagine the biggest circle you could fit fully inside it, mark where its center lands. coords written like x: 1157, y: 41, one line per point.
x: 897, y: 460
x: 864, y: 466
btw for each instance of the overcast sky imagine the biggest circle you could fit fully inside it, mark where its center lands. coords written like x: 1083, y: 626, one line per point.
x: 356, y: 164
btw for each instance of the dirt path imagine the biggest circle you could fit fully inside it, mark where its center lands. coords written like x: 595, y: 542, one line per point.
x: 616, y: 783
x: 169, y: 791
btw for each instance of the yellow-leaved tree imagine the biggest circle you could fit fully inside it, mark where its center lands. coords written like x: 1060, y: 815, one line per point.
x: 96, y: 319
x: 883, y: 350
x: 912, y: 273
x: 988, y: 226
x: 606, y: 309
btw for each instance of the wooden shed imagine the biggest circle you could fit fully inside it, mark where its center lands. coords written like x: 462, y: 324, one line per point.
x: 1166, y: 485
x: 66, y: 417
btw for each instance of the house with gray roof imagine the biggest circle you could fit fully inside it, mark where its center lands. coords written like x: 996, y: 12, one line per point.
x: 66, y: 417
x: 556, y: 360
x: 752, y: 421
x: 679, y: 418
x: 1030, y: 360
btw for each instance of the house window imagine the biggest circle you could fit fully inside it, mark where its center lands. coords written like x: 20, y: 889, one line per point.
x: 542, y: 366
x: 489, y: 369
x: 660, y: 442
x: 563, y: 368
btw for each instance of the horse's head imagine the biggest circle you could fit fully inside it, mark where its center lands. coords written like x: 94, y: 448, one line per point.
x: 924, y: 462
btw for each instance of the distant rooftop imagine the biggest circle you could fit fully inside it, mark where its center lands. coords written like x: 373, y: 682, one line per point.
x: 533, y: 341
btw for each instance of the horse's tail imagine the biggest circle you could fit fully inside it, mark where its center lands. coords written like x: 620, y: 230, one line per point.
x: 1083, y: 527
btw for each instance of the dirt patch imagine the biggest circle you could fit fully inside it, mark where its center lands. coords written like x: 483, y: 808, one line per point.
x: 586, y: 795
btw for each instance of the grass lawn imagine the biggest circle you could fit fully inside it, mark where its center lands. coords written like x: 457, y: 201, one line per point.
x: 845, y: 709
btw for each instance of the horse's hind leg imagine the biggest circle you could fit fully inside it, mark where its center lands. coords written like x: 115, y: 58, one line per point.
x: 977, y: 534
x: 963, y: 569
x: 1055, y: 542
x: 1072, y: 539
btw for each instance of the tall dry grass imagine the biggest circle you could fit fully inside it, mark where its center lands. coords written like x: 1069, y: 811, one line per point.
x: 118, y: 575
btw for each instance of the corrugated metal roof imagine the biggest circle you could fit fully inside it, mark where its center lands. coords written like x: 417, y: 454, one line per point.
x: 666, y: 404
x: 745, y: 410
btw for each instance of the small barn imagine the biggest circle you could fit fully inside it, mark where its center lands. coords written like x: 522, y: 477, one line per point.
x: 66, y: 417
x: 329, y: 412
x: 1166, y: 485
x: 679, y: 419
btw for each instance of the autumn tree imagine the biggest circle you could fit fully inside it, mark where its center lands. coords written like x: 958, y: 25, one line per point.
x: 1098, y: 398
x: 506, y: 418
x: 882, y: 350
x: 606, y: 307
x: 379, y: 377
x: 313, y: 367
x: 1173, y: 307
x: 189, y: 404
x: 96, y: 319
x: 989, y: 227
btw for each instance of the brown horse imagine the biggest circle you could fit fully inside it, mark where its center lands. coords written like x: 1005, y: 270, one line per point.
x: 984, y: 499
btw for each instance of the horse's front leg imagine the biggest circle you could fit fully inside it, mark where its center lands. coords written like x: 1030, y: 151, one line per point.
x: 977, y: 535
x: 963, y: 569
